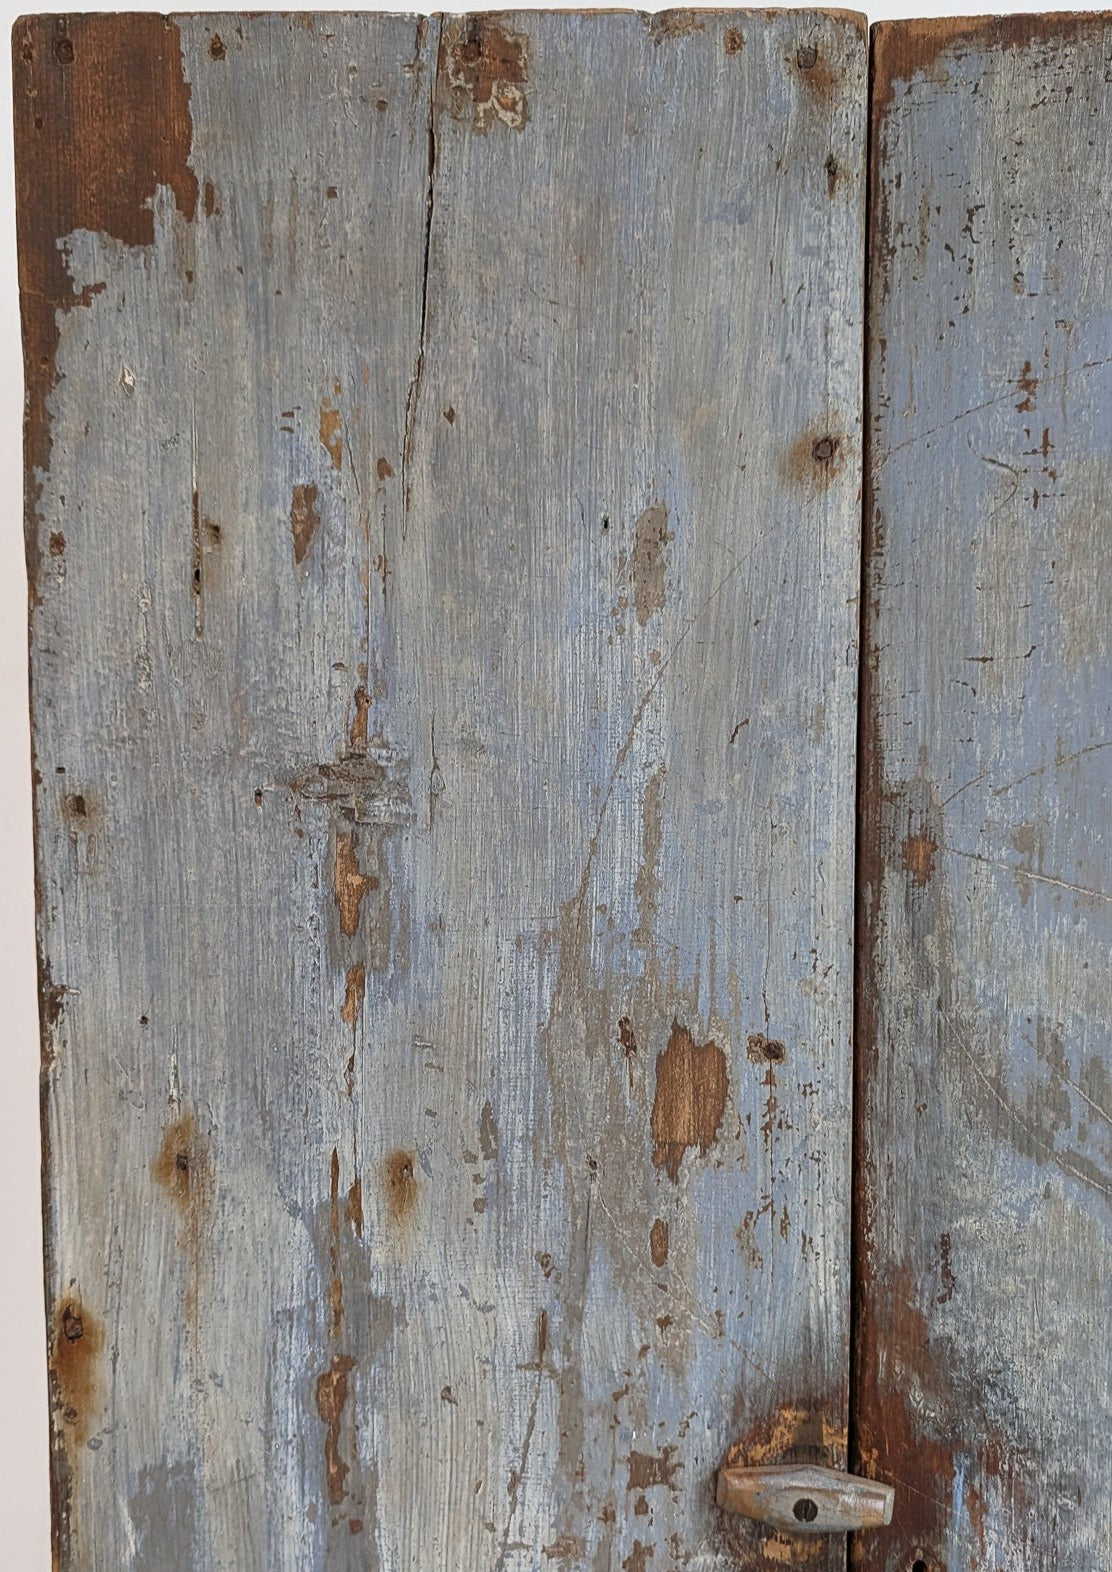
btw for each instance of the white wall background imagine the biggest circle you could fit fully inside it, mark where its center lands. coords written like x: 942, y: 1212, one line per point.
x: 24, y: 1497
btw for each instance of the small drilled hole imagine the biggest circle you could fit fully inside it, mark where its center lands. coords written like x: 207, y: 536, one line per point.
x: 919, y: 1566
x: 805, y: 1510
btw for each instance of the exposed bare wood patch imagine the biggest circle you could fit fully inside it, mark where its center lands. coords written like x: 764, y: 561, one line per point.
x: 349, y: 883
x: 658, y: 1242
x: 304, y: 520
x: 332, y: 1397
x: 331, y: 431
x: 648, y: 1469
x: 692, y: 1084
x: 650, y: 536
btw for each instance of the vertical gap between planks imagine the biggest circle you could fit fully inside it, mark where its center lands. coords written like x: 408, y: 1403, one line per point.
x: 862, y: 787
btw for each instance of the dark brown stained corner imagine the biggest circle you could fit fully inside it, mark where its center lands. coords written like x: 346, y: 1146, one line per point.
x: 102, y: 117
x: 484, y: 67
x: 902, y: 50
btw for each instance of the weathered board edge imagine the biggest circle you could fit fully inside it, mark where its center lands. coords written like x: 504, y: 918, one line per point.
x: 901, y: 50
x: 66, y: 71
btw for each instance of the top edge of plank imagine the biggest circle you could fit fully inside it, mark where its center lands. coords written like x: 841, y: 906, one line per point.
x: 913, y: 46
x: 857, y: 19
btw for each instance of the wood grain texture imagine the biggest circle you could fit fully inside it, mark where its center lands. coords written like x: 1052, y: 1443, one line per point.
x: 984, y: 1391
x: 444, y: 680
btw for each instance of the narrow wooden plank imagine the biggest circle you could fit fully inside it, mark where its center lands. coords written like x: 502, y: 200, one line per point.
x: 984, y: 1390
x: 446, y: 569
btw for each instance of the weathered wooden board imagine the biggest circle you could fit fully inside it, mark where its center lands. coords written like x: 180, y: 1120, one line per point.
x: 443, y: 504
x: 985, y: 1387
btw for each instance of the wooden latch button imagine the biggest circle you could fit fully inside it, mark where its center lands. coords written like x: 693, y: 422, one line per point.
x: 805, y: 1499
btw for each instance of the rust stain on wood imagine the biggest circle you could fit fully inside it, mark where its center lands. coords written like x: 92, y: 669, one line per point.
x: 401, y: 1185
x: 183, y: 1169
x: 813, y: 70
x: 487, y: 71
x: 692, y: 1084
x: 182, y: 1164
x: 815, y: 459
x: 77, y: 1343
x: 304, y: 520
x: 349, y: 884
x: 918, y: 857
x: 332, y: 1396
x: 650, y: 536
x: 890, y: 1435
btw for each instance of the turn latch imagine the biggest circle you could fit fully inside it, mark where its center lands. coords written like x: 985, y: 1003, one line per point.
x: 805, y: 1499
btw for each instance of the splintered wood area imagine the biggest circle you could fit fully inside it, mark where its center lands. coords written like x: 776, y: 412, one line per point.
x: 443, y: 500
